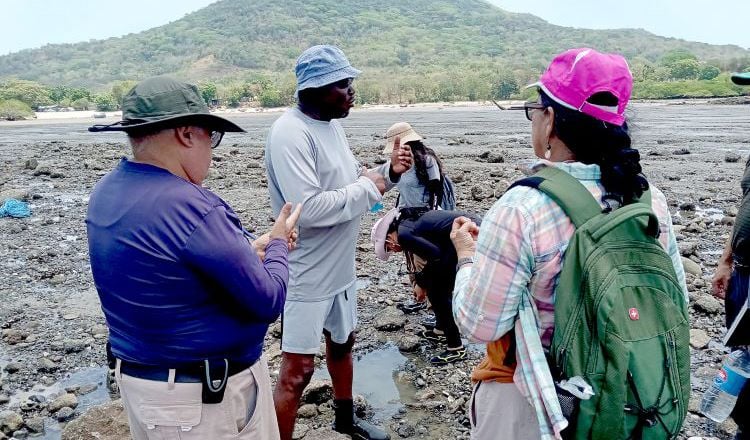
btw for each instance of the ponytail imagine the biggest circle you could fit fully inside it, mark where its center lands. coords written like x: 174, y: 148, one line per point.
x: 593, y: 141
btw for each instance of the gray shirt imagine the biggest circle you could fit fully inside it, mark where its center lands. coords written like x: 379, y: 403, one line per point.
x: 412, y: 194
x: 309, y: 161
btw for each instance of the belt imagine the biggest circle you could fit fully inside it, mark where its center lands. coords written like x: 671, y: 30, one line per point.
x: 190, y: 373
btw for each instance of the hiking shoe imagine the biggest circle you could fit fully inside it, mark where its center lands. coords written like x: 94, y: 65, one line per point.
x: 449, y: 356
x: 412, y: 306
x: 362, y: 430
x: 429, y: 322
x: 431, y: 336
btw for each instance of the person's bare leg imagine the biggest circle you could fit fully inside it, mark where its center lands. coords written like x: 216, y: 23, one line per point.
x: 340, y: 366
x: 295, y: 374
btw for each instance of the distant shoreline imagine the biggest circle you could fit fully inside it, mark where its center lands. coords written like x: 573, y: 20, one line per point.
x: 42, y: 117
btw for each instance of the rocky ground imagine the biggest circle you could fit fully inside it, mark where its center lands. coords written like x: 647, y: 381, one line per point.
x: 52, y: 363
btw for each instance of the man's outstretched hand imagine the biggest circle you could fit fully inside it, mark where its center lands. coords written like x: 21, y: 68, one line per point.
x: 401, y: 157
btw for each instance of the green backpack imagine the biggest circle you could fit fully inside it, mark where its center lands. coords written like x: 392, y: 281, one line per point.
x: 621, y: 320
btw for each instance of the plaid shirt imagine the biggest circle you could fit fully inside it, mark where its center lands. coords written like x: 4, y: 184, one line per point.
x: 512, y: 282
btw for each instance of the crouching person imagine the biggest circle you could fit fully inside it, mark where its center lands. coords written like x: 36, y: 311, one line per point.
x: 426, y: 235
x: 186, y: 297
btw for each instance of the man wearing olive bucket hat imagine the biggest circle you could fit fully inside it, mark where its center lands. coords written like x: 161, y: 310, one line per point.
x: 186, y: 297
x: 732, y: 281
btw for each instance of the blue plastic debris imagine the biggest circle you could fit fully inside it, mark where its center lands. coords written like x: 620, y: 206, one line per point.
x: 14, y: 208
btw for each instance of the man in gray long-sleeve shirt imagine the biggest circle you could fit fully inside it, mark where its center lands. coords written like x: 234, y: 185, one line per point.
x: 309, y: 162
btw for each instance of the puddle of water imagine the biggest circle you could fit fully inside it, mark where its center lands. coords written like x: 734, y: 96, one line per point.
x: 375, y: 379
x: 712, y: 214
x: 85, y: 376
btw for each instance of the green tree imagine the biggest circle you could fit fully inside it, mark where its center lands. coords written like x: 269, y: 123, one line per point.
x: 674, y: 56
x: 709, y: 72
x: 685, y: 69
x: 105, y: 102
x: 81, y: 104
x: 504, y: 87
x: 30, y: 92
x: 120, y: 89
x: 13, y: 109
x: 208, y: 91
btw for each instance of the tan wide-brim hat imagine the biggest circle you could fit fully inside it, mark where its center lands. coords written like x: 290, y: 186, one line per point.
x: 401, y: 130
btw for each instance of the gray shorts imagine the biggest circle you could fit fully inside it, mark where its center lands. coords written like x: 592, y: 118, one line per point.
x: 302, y: 323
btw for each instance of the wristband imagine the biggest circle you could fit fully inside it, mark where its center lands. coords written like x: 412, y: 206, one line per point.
x: 463, y: 262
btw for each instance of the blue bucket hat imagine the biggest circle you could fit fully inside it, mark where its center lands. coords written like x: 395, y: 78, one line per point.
x: 321, y: 65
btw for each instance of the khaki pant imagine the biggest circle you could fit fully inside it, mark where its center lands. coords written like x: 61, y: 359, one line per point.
x: 499, y: 411
x: 174, y: 411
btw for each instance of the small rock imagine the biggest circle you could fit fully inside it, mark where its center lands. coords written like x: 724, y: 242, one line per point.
x: 63, y: 414
x: 691, y: 267
x: 681, y: 152
x: 31, y: 164
x: 699, y: 338
x: 300, y: 430
x: 73, y: 345
x: 42, y: 170
x: 500, y: 188
x: 21, y: 434
x: 13, y: 367
x: 4, y: 399
x: 732, y: 157
x: 18, y: 194
x: 687, y: 206
x: 86, y: 389
x: 47, y: 365
x: 253, y: 164
x: 708, y: 304
x: 425, y: 394
x: 13, y: 336
x: 67, y: 400
x: 35, y: 424
x: 406, y: 430
x: 688, y: 248
x: 10, y: 421
x: 108, y: 421
x: 408, y: 343
x: 390, y: 319
x: 317, y: 392
x: 477, y: 193
x: 99, y: 329
x: 275, y: 330
x: 495, y: 158
x: 307, y: 411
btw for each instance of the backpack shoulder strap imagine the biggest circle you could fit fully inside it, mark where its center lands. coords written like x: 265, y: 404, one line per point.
x: 566, y: 191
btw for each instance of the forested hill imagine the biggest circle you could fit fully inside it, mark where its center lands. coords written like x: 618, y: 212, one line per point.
x: 231, y: 38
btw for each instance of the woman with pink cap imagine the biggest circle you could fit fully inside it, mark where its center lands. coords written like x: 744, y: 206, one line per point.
x: 508, y: 271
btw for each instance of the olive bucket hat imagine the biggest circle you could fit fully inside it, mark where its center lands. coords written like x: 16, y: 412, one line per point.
x: 161, y: 102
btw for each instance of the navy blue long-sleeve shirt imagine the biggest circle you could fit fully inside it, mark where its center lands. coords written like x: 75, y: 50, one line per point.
x: 177, y: 279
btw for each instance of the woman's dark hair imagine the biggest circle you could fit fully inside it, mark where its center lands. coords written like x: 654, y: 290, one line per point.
x: 434, y: 188
x: 593, y: 141
x: 421, y: 152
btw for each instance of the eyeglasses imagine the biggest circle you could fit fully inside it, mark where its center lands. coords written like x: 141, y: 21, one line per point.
x: 529, y: 107
x: 216, y: 137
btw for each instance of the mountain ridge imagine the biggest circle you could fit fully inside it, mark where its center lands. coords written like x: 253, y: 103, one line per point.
x: 235, y: 38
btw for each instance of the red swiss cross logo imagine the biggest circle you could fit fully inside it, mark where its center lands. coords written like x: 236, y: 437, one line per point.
x: 633, y: 314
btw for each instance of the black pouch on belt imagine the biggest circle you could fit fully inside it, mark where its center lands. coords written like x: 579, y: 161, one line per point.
x: 214, y: 375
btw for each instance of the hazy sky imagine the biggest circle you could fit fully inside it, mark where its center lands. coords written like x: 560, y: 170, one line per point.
x: 33, y: 23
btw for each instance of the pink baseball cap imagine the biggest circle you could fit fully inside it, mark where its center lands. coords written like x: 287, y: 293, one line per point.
x: 577, y: 74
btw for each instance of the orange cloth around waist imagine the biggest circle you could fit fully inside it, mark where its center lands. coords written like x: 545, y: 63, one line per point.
x: 493, y: 367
